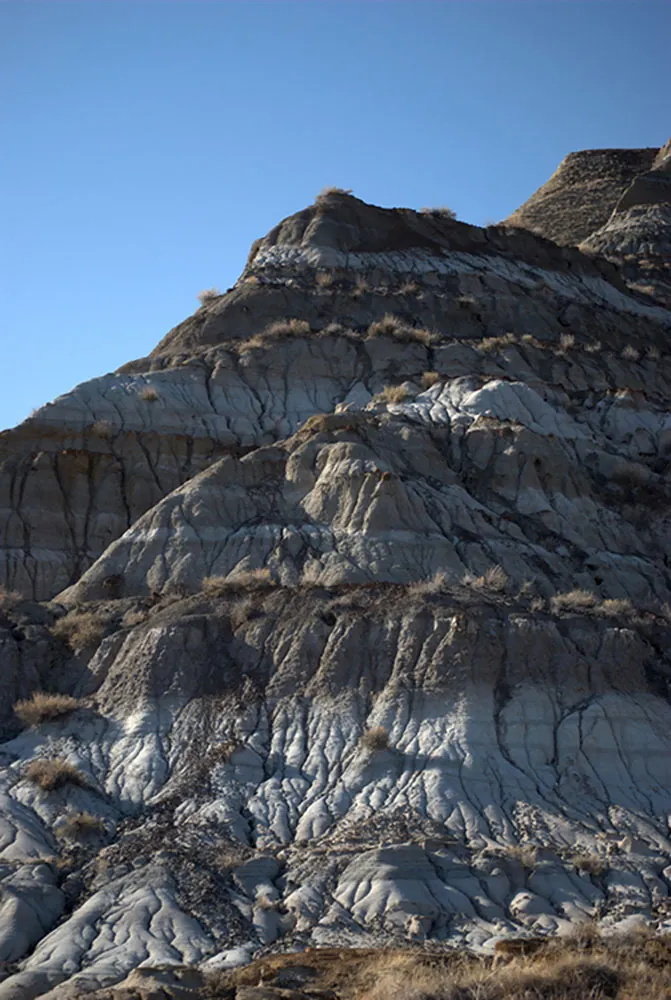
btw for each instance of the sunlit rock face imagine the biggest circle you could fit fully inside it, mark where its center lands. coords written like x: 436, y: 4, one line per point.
x: 360, y: 584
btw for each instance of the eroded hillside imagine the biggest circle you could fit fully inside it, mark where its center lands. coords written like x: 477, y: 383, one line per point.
x: 355, y: 612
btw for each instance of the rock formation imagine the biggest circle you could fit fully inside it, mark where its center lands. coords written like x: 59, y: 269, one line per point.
x: 343, y: 618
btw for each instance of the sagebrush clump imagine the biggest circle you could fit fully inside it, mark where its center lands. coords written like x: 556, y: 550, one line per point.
x: 44, y: 707
x: 53, y: 773
x: 80, y: 629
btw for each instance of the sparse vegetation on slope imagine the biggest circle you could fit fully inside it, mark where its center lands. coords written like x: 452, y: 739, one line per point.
x: 44, y: 707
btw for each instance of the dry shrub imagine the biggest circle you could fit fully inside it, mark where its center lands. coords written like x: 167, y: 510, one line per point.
x: 594, y: 347
x: 9, y: 599
x: 616, y: 607
x: 359, y: 288
x: 566, y: 342
x: 80, y: 826
x: 421, y: 588
x: 287, y: 328
x: 80, y: 629
x: 574, y: 600
x: 43, y: 707
x: 329, y: 191
x: 393, y: 394
x: 653, y: 353
x: 375, y: 739
x: 429, y: 379
x: 248, y: 580
x: 230, y: 856
x: 149, y: 394
x: 208, y: 294
x: 324, y: 279
x: 409, y: 288
x: 55, y: 773
x: 489, y: 345
x: 441, y: 211
x: 525, y: 854
x: 591, y: 864
x: 103, y: 428
x: 392, y: 326
x: 631, y: 353
x: 494, y: 578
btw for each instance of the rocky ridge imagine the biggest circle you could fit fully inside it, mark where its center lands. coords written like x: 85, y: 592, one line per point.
x: 359, y: 589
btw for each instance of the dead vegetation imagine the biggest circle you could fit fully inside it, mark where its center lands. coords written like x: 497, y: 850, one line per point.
x: 292, y: 327
x: 80, y: 629
x: 430, y: 379
x: 576, y: 967
x: 574, y: 600
x: 591, y: 864
x: 208, y: 294
x: 103, y: 428
x: 493, y: 579
x: 81, y: 826
x: 9, y: 599
x: 425, y: 588
x: 375, y: 740
x: 255, y: 579
x: 50, y: 774
x: 441, y: 212
x: 393, y: 394
x: 490, y: 345
x: 324, y: 279
x: 329, y: 191
x: 149, y: 394
x: 393, y: 326
x: 44, y: 707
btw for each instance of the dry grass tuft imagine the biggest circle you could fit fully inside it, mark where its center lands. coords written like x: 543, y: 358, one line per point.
x: 392, y: 326
x: 591, y: 864
x: 393, y: 394
x: 324, y: 279
x: 80, y: 629
x: 55, y: 773
x: 429, y: 379
x: 103, y: 428
x: 43, y: 707
x: 9, y: 599
x: 409, y: 288
x: 329, y: 192
x: 574, y: 600
x: 149, y: 394
x: 524, y: 854
x: 422, y: 588
x: 616, y: 607
x: 490, y: 345
x: 359, y: 288
x: 375, y: 739
x: 248, y: 580
x: 441, y: 212
x: 208, y: 294
x: 230, y: 856
x: 80, y: 826
x: 287, y: 328
x: 494, y: 578
x: 631, y: 353
x: 566, y: 342
x: 594, y: 347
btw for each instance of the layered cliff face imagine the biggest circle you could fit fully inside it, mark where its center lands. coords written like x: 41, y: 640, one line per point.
x: 356, y: 608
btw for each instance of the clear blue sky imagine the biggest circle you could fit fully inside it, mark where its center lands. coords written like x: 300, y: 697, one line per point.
x: 146, y: 144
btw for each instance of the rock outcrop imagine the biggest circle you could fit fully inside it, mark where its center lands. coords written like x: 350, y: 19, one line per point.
x: 344, y: 618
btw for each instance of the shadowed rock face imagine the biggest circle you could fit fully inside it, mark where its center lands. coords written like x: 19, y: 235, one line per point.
x: 362, y: 583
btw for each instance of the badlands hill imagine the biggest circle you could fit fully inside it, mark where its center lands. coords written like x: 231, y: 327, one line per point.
x: 342, y: 621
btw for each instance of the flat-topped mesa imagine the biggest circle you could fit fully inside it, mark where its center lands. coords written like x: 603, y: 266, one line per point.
x: 582, y: 193
x: 345, y: 261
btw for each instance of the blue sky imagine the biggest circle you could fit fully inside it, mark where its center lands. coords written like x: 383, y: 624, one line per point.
x: 147, y: 144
